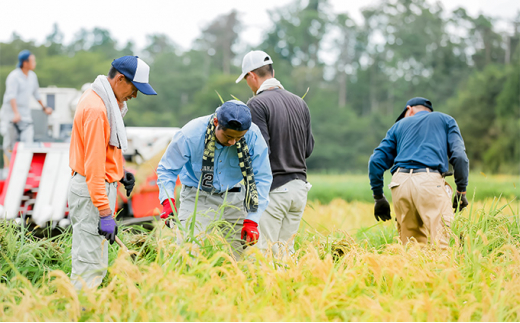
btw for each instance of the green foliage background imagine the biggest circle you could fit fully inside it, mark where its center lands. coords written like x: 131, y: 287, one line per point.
x: 360, y: 75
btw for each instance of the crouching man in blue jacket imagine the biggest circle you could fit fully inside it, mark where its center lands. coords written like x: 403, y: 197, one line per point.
x: 418, y: 148
x: 219, y: 151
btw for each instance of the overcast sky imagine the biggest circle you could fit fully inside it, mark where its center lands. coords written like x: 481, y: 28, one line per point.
x: 180, y: 20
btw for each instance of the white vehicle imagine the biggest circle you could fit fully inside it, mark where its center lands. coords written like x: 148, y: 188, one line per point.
x: 58, y: 125
x: 143, y: 142
x: 35, y: 189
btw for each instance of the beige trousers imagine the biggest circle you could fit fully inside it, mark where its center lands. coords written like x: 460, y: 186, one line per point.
x: 281, y: 219
x: 212, y: 208
x: 423, y: 208
x: 89, y: 249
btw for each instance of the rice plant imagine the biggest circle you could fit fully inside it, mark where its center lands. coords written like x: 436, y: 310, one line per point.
x: 345, y: 268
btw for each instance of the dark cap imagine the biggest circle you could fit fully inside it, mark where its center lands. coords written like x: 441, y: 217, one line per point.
x: 136, y: 71
x: 413, y: 102
x: 235, y: 112
x: 23, y: 56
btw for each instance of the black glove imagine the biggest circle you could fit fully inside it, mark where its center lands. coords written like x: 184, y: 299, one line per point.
x: 460, y: 201
x: 381, y: 208
x: 129, y: 182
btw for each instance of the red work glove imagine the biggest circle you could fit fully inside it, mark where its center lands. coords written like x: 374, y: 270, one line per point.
x: 167, y: 210
x: 250, y: 232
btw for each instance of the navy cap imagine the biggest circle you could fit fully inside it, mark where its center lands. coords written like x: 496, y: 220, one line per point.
x: 236, y: 111
x: 23, y: 56
x: 137, y: 71
x: 413, y: 102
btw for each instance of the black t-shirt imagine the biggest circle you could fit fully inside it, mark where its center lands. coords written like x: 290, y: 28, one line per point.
x: 285, y: 122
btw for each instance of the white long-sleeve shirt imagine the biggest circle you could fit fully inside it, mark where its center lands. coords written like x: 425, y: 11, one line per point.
x: 20, y: 87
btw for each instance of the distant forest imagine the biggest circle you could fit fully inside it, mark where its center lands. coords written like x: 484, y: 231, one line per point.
x: 402, y: 49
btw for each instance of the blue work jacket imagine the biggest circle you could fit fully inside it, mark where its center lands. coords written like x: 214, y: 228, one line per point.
x: 427, y: 139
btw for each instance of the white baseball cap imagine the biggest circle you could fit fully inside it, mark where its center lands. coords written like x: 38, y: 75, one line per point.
x: 253, y: 60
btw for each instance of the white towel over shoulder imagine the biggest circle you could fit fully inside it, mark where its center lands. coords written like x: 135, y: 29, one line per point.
x: 269, y: 83
x: 115, y: 115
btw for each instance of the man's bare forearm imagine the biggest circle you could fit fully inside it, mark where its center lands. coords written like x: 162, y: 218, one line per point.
x: 41, y: 103
x: 47, y: 110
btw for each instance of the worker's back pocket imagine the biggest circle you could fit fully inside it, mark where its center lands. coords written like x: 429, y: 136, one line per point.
x: 448, y: 189
x: 398, y: 179
x: 393, y: 185
x: 279, y: 190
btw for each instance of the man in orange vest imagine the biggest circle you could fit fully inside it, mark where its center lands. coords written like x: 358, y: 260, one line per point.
x: 96, y: 159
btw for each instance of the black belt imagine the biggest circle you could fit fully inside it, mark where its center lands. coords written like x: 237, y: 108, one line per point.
x: 234, y: 190
x: 418, y: 170
x: 231, y: 190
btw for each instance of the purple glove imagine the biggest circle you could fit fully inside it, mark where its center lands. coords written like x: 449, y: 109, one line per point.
x: 108, y: 228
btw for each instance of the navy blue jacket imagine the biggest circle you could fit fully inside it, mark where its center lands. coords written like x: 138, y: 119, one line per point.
x: 426, y: 139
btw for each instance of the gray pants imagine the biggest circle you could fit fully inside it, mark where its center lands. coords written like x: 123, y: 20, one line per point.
x: 281, y: 219
x: 22, y: 131
x: 210, y: 209
x: 89, y: 249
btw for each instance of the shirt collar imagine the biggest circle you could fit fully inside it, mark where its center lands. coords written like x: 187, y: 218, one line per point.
x: 22, y: 73
x: 218, y: 145
x: 421, y: 112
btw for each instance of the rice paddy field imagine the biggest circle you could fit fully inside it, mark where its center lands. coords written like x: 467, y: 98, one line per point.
x: 347, y: 267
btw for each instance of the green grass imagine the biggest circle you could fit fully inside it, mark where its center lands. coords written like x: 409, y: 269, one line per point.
x: 337, y: 274
x: 326, y: 188
x: 366, y: 275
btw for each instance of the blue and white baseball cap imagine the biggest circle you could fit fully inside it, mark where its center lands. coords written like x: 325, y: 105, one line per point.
x: 137, y: 71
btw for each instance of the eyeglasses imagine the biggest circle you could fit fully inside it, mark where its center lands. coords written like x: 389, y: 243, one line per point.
x: 134, y: 91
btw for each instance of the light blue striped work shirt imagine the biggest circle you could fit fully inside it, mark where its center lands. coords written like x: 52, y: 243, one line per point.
x: 20, y: 87
x: 183, y: 157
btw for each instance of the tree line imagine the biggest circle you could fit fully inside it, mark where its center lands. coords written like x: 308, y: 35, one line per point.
x: 358, y: 75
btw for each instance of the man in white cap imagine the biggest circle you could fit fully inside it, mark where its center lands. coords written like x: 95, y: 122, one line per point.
x: 21, y: 84
x: 285, y: 122
x: 96, y: 158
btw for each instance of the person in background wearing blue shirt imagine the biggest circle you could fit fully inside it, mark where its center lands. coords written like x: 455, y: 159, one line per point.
x: 21, y: 84
x: 219, y: 151
x: 417, y: 149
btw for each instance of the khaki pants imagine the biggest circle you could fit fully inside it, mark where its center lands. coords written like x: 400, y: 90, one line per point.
x: 281, y: 219
x: 208, y: 214
x: 423, y: 207
x: 89, y: 249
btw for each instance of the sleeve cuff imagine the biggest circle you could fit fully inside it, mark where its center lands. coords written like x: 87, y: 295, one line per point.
x: 377, y: 191
x: 103, y: 207
x: 255, y: 217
